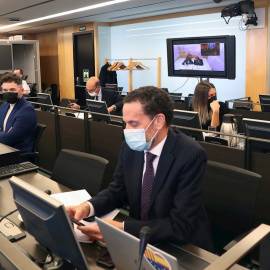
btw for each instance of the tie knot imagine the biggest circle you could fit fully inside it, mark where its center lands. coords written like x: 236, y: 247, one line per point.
x: 150, y: 157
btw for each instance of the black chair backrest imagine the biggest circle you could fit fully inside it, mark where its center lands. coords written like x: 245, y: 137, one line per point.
x: 78, y: 170
x: 39, y: 131
x: 229, y: 196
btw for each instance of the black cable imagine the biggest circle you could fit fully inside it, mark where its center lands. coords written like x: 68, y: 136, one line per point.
x: 180, y: 86
x: 8, y: 214
x: 51, y: 260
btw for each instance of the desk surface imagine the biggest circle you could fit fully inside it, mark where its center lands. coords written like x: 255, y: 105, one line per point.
x: 91, y: 251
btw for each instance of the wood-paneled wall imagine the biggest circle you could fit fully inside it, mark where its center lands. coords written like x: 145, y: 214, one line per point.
x: 48, y: 49
x: 65, y: 56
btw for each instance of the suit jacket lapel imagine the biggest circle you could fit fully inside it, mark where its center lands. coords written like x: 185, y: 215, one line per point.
x: 2, y: 116
x: 164, y: 165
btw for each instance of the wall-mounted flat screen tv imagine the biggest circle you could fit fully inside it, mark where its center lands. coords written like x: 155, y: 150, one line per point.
x: 206, y: 57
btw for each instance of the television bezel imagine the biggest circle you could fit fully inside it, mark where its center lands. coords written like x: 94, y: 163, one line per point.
x: 229, y: 57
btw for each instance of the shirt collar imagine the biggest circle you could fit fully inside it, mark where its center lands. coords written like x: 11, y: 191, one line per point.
x: 158, y: 148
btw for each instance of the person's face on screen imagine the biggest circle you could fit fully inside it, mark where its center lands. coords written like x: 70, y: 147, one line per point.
x: 135, y: 118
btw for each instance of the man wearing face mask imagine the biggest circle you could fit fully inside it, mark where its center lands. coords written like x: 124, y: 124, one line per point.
x: 159, y: 175
x: 94, y: 91
x: 18, y: 119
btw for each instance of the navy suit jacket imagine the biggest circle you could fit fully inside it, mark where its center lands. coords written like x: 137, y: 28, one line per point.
x: 23, y: 121
x: 110, y: 97
x: 176, y: 210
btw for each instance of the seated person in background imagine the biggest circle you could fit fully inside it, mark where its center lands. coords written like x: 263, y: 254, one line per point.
x: 188, y: 60
x: 25, y: 86
x: 159, y: 175
x: 18, y: 119
x: 113, y: 100
x: 198, y: 61
x: 205, y: 103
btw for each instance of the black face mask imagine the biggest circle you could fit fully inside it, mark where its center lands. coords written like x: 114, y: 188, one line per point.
x: 210, y: 100
x: 11, y: 97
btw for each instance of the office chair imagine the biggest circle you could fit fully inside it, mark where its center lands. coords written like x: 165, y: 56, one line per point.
x: 32, y: 156
x: 229, y: 196
x: 78, y: 170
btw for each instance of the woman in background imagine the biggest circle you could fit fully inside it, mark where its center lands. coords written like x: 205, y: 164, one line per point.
x: 209, y: 109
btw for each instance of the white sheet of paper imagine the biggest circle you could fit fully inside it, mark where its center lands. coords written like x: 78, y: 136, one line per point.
x: 72, y: 197
x: 77, y: 197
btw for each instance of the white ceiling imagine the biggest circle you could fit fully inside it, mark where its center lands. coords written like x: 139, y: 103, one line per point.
x: 132, y: 9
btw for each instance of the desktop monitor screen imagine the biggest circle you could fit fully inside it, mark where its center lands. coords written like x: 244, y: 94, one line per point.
x: 188, y: 119
x: 46, y: 220
x: 257, y: 129
x: 265, y: 99
x: 98, y: 107
x: 44, y: 99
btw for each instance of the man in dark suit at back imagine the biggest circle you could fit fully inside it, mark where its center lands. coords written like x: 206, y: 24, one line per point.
x: 18, y: 120
x: 113, y: 100
x: 159, y: 174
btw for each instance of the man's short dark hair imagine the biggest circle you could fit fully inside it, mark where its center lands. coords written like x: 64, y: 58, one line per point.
x: 154, y: 101
x: 11, y: 77
x: 21, y: 71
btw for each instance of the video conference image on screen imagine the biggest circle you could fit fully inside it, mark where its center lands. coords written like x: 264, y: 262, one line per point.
x: 203, y: 56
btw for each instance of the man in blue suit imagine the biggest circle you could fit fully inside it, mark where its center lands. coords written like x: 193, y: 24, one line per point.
x: 18, y: 119
x: 172, y: 207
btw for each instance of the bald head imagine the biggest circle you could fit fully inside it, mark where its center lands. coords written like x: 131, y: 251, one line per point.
x: 93, y: 85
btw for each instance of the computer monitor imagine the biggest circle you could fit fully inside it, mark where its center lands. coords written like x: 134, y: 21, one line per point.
x: 12, y: 258
x: 265, y: 99
x: 65, y: 102
x: 44, y: 99
x: 46, y: 219
x: 111, y: 85
x: 188, y: 119
x: 257, y: 129
x: 176, y: 97
x: 98, y: 107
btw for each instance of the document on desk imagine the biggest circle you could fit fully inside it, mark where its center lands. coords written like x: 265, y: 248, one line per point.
x: 75, y: 198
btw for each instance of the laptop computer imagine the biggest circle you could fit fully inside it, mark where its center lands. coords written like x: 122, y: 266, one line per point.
x: 124, y: 250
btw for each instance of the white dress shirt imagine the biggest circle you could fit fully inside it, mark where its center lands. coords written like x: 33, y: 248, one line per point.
x: 156, y: 151
x: 11, y: 106
x: 25, y: 87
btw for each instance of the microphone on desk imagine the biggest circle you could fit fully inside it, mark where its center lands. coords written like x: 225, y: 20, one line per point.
x: 145, y: 235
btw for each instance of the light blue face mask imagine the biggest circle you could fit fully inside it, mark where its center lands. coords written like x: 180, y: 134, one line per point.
x: 136, y: 140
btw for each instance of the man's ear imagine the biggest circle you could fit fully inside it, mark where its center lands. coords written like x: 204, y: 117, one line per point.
x: 160, y: 121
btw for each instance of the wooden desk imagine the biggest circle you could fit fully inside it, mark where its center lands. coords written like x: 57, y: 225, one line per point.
x: 91, y: 251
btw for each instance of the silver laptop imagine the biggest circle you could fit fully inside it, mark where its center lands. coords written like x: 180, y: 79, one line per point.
x: 124, y: 250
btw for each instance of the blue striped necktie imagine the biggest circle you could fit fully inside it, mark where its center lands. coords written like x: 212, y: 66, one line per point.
x: 148, y: 180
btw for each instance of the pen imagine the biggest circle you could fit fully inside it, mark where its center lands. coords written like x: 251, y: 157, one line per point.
x: 69, y: 101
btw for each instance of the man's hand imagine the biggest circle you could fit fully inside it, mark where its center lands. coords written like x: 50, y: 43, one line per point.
x: 93, y: 231
x: 74, y: 106
x: 78, y: 212
x: 110, y: 109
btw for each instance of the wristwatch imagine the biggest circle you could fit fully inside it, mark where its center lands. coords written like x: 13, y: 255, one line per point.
x: 114, y: 107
